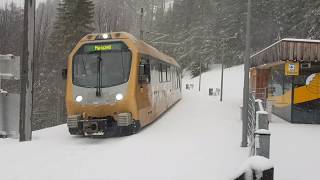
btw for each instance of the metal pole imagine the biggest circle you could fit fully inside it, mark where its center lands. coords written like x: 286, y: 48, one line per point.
x: 222, y: 69
x: 141, y: 22
x: 245, y: 120
x: 200, y: 73
x: 27, y: 71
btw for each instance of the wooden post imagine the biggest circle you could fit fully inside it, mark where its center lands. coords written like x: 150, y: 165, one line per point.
x: 25, y: 128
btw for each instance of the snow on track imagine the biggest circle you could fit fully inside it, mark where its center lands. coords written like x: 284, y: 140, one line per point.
x: 199, y: 138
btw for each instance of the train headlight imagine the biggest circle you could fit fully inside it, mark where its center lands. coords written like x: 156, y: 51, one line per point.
x: 105, y: 36
x: 79, y: 98
x: 119, y: 97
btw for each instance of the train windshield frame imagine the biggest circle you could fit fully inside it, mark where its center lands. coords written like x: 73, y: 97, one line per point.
x: 101, y: 65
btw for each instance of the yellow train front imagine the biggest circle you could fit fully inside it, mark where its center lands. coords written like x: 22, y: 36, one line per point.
x: 117, y: 84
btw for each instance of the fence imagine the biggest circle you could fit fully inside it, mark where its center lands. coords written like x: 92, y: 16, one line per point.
x: 259, y: 140
x: 260, y: 93
x: 251, y: 119
x: 260, y: 136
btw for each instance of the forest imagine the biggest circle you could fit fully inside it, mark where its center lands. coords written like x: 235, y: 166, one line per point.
x: 196, y: 33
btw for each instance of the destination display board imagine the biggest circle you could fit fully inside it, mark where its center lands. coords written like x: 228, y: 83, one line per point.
x: 89, y: 48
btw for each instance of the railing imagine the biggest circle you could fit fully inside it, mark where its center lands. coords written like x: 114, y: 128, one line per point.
x: 260, y: 93
x: 258, y: 122
x: 259, y: 142
x: 251, y: 119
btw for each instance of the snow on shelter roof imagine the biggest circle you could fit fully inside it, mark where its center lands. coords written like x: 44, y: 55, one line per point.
x: 301, y: 50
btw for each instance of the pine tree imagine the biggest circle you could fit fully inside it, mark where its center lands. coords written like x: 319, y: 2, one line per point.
x: 313, y: 18
x: 198, y: 27
x: 264, y: 25
x: 73, y: 21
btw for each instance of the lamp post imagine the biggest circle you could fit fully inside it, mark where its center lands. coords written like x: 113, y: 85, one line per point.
x: 200, y: 63
x: 244, y: 142
x: 222, y: 69
x: 222, y: 62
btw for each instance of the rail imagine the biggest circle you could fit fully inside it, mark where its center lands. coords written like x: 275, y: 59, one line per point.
x: 260, y: 93
x: 251, y: 118
x: 259, y: 141
x: 258, y: 128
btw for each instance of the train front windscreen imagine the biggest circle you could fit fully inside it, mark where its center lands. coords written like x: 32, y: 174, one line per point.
x: 102, y: 65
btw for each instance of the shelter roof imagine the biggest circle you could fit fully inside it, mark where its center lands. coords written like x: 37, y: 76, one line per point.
x: 300, y: 50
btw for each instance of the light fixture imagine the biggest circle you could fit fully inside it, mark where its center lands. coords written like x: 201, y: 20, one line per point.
x: 119, y: 97
x: 105, y: 36
x: 79, y: 98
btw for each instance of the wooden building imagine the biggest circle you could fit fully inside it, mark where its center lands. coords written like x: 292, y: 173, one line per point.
x: 287, y: 73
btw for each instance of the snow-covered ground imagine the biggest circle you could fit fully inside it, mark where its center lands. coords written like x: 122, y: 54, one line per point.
x: 199, y: 138
x: 295, y: 150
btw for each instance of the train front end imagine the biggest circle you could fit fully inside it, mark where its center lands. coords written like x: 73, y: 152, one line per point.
x: 100, y: 86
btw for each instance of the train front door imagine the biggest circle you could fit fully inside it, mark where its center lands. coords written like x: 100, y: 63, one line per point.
x: 145, y: 92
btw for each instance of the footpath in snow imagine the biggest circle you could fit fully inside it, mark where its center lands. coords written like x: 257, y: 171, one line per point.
x: 199, y: 138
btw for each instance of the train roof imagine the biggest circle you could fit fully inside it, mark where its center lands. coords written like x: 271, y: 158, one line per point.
x: 142, y: 46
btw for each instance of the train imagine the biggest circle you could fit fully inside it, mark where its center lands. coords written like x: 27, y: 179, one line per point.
x: 117, y: 84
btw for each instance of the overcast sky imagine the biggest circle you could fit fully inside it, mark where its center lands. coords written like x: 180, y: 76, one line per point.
x: 18, y: 2
x: 21, y: 2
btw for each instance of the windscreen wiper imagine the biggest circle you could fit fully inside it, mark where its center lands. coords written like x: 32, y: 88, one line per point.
x: 123, y: 74
x: 98, y: 91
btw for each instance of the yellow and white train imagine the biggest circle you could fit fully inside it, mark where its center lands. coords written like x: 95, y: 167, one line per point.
x: 117, y: 84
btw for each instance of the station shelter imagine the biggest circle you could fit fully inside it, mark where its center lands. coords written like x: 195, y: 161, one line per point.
x: 287, y: 75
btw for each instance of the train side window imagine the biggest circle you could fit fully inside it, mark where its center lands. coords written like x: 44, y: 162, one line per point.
x: 154, y: 72
x: 160, y: 72
x: 168, y: 73
x: 178, y: 79
x: 144, y: 71
x: 164, y: 73
x: 173, y: 78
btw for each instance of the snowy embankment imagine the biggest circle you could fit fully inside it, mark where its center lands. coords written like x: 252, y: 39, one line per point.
x: 199, y: 138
